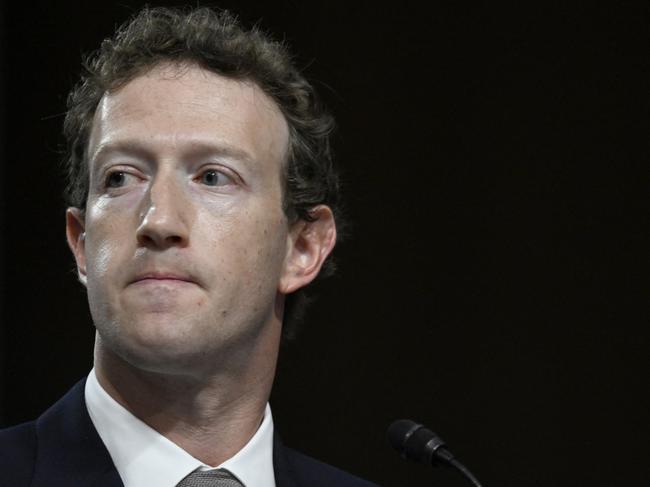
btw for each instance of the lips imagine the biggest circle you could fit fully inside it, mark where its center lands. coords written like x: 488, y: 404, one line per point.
x: 163, y: 277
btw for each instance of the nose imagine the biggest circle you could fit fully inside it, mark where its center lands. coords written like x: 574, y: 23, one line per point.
x: 164, y: 217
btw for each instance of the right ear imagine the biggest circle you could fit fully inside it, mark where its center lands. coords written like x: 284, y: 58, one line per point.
x: 75, y: 231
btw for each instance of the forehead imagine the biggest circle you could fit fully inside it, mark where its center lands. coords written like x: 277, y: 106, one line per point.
x: 174, y: 107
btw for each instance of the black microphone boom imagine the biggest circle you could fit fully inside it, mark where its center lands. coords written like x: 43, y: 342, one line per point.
x: 419, y: 444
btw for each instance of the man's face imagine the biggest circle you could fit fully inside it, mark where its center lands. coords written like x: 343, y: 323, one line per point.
x: 185, y: 239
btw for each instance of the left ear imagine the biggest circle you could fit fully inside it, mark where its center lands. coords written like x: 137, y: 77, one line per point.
x: 309, y: 245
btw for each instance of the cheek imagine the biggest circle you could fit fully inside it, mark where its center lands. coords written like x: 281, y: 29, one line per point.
x: 103, y: 264
x: 100, y: 259
x: 249, y: 244
x: 106, y: 240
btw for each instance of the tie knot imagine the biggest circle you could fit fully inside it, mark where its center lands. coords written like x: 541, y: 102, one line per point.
x: 210, y: 478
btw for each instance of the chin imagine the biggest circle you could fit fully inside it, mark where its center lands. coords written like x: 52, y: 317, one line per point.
x: 162, y: 348
x: 166, y: 360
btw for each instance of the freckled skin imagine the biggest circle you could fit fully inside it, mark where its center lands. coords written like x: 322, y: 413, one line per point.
x: 232, y: 239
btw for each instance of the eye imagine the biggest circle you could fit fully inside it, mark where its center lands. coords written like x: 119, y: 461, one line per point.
x: 115, y: 179
x: 118, y: 179
x: 212, y: 177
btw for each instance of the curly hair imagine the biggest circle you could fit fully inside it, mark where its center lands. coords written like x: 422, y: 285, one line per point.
x: 213, y: 40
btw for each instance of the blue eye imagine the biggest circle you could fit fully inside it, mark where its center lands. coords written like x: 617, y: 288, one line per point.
x: 212, y: 177
x: 119, y: 179
x: 115, y: 179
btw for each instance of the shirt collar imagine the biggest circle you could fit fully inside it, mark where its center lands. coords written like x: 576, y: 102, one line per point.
x: 144, y: 457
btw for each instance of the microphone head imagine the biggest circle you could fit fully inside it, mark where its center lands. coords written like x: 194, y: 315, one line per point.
x: 414, y: 442
x: 399, y: 431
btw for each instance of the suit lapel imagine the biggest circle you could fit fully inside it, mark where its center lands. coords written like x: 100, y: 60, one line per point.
x: 70, y: 452
x: 284, y: 474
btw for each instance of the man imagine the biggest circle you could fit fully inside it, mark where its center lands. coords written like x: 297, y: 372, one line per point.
x: 201, y: 197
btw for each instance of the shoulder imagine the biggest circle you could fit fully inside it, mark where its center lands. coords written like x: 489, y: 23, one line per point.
x: 17, y: 454
x: 311, y: 472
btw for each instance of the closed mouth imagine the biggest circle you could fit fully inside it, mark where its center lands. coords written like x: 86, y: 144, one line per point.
x: 163, y: 277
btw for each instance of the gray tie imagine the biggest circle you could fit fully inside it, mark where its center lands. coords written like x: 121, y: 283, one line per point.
x: 210, y: 478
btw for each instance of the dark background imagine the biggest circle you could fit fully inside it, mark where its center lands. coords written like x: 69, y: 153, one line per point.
x: 494, y: 162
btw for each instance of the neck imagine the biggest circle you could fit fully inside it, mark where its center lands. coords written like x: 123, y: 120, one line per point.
x: 211, y: 417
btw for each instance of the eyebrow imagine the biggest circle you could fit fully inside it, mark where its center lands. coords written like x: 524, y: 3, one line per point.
x: 193, y: 149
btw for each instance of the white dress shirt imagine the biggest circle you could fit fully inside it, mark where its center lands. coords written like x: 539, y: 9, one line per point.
x: 143, y: 457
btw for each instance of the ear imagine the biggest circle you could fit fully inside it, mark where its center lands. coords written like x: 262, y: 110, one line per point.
x: 75, y: 227
x: 309, y: 245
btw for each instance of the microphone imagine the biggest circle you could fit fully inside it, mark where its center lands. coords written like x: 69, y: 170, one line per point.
x: 416, y: 443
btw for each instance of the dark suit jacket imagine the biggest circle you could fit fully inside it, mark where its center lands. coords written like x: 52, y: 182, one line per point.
x: 63, y: 449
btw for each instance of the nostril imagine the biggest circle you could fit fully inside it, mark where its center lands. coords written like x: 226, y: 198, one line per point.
x: 146, y: 239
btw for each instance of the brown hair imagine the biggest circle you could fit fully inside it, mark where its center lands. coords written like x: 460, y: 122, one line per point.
x: 217, y: 42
